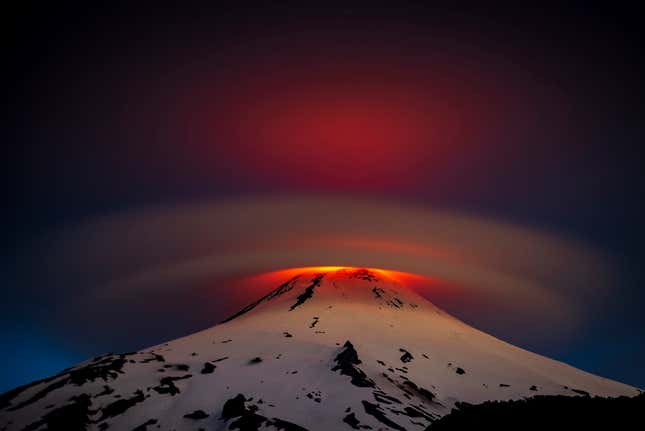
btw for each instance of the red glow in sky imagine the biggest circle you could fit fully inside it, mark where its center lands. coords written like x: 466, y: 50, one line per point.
x: 356, y: 125
x: 383, y: 136
x: 333, y: 140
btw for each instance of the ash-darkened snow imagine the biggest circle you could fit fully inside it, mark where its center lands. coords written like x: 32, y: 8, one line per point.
x: 343, y: 349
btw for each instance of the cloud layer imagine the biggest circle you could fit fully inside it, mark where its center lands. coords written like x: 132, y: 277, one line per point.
x: 498, y: 276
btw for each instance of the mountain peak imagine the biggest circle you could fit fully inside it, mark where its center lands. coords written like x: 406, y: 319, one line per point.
x: 337, y: 286
x: 330, y: 348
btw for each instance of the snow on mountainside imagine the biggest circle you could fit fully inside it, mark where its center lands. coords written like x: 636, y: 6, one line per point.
x: 340, y: 349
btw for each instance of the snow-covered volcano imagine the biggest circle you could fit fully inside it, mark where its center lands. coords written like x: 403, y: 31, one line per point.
x: 338, y: 349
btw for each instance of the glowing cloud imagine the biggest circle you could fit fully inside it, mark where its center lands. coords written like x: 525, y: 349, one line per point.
x: 493, y: 274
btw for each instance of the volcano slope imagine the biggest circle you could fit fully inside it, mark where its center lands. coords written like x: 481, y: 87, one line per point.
x: 338, y: 349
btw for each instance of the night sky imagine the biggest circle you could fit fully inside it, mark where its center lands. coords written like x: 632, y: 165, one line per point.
x: 531, y: 116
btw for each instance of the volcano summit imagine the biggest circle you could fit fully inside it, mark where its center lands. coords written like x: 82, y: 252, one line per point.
x: 330, y: 349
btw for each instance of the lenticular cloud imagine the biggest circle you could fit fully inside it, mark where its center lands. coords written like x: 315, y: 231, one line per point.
x: 489, y: 266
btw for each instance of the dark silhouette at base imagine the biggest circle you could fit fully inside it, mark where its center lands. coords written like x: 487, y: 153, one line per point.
x: 547, y: 412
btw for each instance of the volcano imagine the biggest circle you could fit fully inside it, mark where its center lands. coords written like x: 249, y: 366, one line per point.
x: 328, y: 349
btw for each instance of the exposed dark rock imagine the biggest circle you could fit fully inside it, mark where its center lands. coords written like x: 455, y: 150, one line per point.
x: 407, y: 356
x: 351, y: 420
x: 581, y: 392
x: 155, y: 357
x: 255, y: 360
x: 504, y: 385
x: 285, y: 287
x: 533, y: 388
x: 5, y: 399
x: 106, y: 367
x: 234, y: 407
x: 283, y: 425
x: 346, y: 362
x: 120, y: 406
x: 309, y: 291
x: 395, y: 302
x: 74, y: 416
x: 208, y: 368
x: 414, y: 412
x: 248, y: 422
x: 106, y: 391
x: 363, y: 274
x: 348, y: 355
x: 388, y: 378
x: 247, y: 418
x: 375, y: 411
x: 144, y: 426
x: 61, y: 382
x: 417, y: 412
x: 314, y: 322
x: 460, y: 371
x: 421, y: 391
x: 197, y: 415
x: 378, y: 292
x: 220, y: 359
x: 385, y: 398
x: 287, y: 335
x: 167, y: 384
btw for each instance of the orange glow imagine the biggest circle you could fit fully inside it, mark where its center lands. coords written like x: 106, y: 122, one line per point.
x: 291, y: 272
x: 279, y: 276
x: 245, y: 288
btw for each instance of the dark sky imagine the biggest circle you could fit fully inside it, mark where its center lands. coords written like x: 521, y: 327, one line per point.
x: 530, y: 115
